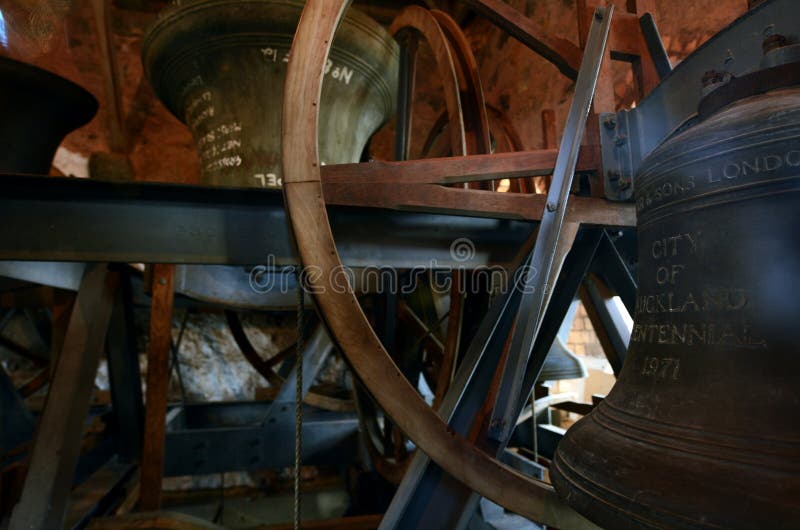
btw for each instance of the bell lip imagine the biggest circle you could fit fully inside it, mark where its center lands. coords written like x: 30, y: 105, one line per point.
x: 79, y: 105
x: 603, y: 504
x: 159, y: 49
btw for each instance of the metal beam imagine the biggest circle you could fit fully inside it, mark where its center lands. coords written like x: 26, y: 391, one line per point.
x: 628, y: 136
x: 217, y: 437
x: 57, y: 445
x: 430, y: 498
x: 544, y: 269
x: 124, y: 377
x: 61, y: 219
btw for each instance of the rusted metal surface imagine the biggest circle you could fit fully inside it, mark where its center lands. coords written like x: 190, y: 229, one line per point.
x: 700, y: 430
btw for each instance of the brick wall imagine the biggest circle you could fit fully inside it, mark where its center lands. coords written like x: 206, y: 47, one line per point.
x: 582, y: 338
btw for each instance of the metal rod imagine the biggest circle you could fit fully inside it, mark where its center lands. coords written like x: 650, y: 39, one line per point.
x: 543, y: 269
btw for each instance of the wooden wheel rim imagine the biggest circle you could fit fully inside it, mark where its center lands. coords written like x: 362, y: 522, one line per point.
x: 308, y: 218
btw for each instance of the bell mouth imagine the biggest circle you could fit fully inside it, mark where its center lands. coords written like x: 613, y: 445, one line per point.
x: 45, y: 108
x: 205, y: 26
x: 79, y: 105
x: 220, y: 67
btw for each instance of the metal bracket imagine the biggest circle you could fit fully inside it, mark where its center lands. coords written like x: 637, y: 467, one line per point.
x: 673, y: 104
x: 615, y: 148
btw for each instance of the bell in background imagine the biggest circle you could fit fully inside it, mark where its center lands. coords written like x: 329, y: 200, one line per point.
x: 561, y: 363
x: 40, y: 109
x: 220, y: 65
x: 702, y: 428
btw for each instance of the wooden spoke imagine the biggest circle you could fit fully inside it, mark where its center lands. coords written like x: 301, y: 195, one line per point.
x: 476, y: 203
x: 465, y: 110
x: 420, y: 20
x: 476, y: 124
x: 561, y: 52
x: 305, y: 204
x: 454, y: 170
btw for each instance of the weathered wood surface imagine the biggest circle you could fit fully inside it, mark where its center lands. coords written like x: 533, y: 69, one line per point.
x: 157, y: 381
x: 58, y: 442
x: 561, y: 52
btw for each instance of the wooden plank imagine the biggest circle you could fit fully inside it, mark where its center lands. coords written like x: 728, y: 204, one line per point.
x: 454, y: 170
x: 57, y: 445
x: 550, y: 139
x: 113, y: 98
x: 561, y: 52
x: 99, y: 488
x: 124, y: 377
x: 476, y: 203
x: 157, y: 381
x: 59, y: 320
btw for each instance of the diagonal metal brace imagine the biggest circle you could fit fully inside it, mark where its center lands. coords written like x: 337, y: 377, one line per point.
x: 544, y: 269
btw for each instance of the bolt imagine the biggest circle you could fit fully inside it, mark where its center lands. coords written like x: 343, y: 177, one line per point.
x: 714, y: 77
x: 728, y: 58
x: 551, y: 206
x: 598, y: 14
x: 496, y: 423
x: 773, y: 42
x: 610, y: 121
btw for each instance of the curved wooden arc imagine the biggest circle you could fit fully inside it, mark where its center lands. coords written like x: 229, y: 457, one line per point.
x: 341, y: 311
x: 267, y: 367
x: 415, y: 18
x: 473, y: 104
x: 388, y: 452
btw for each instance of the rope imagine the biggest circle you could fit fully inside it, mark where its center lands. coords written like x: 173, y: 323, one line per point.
x: 298, y: 425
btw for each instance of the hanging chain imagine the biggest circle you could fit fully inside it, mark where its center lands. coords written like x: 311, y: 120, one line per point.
x: 298, y: 425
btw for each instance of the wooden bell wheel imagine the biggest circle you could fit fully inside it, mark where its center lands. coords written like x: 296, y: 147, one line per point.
x: 419, y: 348
x: 416, y: 184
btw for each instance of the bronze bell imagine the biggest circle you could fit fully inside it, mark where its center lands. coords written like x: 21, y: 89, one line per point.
x: 219, y: 66
x: 561, y: 363
x: 41, y: 108
x: 702, y: 429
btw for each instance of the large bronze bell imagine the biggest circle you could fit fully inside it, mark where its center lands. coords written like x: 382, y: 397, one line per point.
x: 702, y: 428
x: 219, y: 66
x: 40, y: 109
